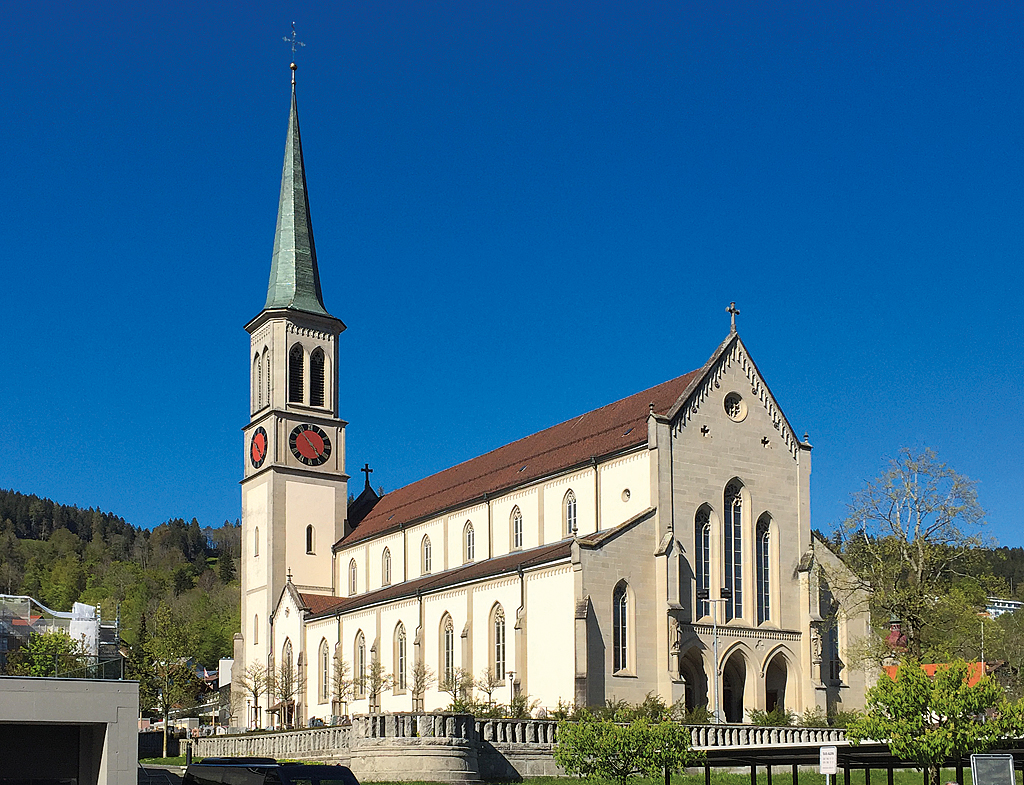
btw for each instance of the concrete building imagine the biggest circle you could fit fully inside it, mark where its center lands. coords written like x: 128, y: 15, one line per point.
x: 61, y: 730
x: 587, y: 562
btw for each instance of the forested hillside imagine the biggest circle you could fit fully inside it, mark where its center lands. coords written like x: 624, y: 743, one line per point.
x: 59, y: 555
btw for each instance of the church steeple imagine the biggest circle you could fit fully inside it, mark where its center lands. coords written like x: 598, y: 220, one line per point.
x: 294, y: 277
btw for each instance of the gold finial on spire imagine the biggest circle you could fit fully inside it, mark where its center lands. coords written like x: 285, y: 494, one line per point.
x: 295, y: 42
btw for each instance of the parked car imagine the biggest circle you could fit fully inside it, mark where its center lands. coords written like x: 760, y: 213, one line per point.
x: 264, y: 771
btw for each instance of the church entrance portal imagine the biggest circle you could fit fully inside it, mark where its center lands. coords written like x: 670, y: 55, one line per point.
x: 691, y: 671
x: 775, y: 684
x: 734, y: 677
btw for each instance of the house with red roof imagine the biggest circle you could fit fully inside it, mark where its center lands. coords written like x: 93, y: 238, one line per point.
x: 641, y: 547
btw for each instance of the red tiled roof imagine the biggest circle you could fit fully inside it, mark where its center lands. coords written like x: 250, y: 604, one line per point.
x: 610, y: 429
x: 321, y: 605
x: 975, y: 670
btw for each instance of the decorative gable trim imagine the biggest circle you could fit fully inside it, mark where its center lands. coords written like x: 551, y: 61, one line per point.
x: 731, y: 352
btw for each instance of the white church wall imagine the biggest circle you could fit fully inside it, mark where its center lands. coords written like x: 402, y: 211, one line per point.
x: 310, y: 504
x: 504, y: 591
x: 581, y: 483
x: 375, y: 564
x: 453, y: 603
x: 550, y: 647
x: 364, y: 621
x: 625, y: 488
x: 316, y: 632
x: 527, y: 500
x: 405, y: 612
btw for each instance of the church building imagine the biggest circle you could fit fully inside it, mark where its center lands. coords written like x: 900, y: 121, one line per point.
x: 637, y: 548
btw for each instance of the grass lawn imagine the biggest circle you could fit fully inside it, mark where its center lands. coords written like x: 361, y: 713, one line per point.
x: 780, y: 776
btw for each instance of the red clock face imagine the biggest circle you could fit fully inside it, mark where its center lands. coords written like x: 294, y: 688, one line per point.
x: 310, y: 444
x: 258, y: 448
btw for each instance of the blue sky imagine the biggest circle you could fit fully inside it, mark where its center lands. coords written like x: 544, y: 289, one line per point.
x: 522, y: 212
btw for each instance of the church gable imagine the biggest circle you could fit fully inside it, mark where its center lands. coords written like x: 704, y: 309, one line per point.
x: 732, y: 359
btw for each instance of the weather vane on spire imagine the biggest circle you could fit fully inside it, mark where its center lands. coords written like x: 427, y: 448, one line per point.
x: 295, y: 42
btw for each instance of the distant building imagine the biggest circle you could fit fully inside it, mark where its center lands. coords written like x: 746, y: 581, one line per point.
x: 21, y: 616
x: 996, y: 607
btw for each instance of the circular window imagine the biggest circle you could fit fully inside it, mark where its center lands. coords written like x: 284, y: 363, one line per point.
x: 735, y: 407
x: 625, y: 495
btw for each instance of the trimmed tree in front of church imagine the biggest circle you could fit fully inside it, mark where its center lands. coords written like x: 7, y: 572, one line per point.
x: 929, y: 719
x: 618, y: 751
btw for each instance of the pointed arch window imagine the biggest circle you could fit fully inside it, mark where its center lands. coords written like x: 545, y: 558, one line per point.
x: 310, y: 539
x: 296, y: 361
x: 317, y: 381
x: 385, y: 567
x: 399, y: 666
x: 257, y: 384
x: 353, y: 575
x: 517, y: 528
x: 359, y: 677
x: 256, y: 542
x: 425, y: 555
x: 498, y: 642
x: 266, y: 377
x: 762, y: 544
x: 569, y: 513
x: 324, y: 659
x: 469, y: 540
x: 447, y: 648
x: 620, y: 627
x: 733, y: 547
x: 702, y: 546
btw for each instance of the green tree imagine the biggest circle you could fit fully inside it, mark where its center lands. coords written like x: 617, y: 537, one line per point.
x: 172, y: 641
x: 909, y: 534
x: 928, y: 719
x: 139, y: 666
x: 50, y: 653
x: 601, y: 748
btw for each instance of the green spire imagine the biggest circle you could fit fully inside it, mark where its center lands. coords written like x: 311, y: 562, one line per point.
x: 294, y: 278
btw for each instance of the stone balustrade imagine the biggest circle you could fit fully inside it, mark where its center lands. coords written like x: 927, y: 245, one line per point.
x: 457, y: 748
x: 706, y: 737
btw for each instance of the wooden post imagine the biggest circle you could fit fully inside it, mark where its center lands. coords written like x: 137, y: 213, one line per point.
x: 867, y: 776
x: 959, y: 770
x: 707, y: 772
x: 846, y: 773
x: 769, y: 768
x: 795, y: 777
x: 890, y: 774
x: 753, y: 774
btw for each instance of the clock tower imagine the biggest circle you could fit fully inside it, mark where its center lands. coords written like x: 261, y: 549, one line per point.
x: 294, y: 486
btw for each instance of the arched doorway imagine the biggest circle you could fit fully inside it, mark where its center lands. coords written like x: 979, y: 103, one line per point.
x: 775, y: 677
x: 691, y: 671
x: 734, y: 678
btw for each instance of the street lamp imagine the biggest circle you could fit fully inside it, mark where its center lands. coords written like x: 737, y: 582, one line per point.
x: 705, y: 596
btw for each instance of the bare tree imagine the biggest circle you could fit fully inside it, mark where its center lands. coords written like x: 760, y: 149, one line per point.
x: 254, y: 683
x: 422, y: 677
x: 487, y: 682
x: 910, y: 533
x: 342, y: 685
x: 458, y: 683
x: 376, y: 680
x: 288, y: 684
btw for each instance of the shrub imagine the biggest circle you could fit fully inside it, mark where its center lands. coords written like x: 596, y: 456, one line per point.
x: 776, y: 718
